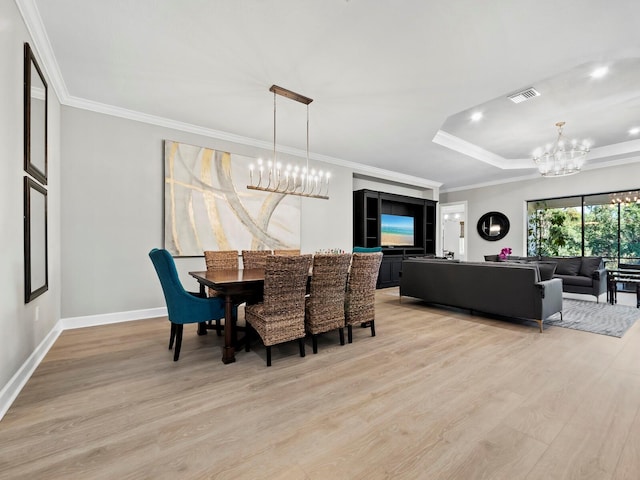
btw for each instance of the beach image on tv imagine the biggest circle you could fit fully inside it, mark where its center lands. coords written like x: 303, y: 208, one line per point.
x: 396, y: 230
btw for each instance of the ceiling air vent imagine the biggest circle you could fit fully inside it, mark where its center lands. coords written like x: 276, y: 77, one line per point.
x: 520, y: 97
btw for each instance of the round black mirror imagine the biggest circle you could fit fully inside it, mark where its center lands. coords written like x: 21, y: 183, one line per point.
x: 493, y: 226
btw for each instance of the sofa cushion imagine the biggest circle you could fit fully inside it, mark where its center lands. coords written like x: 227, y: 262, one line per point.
x: 547, y: 270
x: 568, y: 265
x: 576, y: 280
x: 590, y: 265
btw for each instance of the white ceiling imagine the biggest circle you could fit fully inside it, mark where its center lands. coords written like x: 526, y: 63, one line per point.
x: 387, y: 77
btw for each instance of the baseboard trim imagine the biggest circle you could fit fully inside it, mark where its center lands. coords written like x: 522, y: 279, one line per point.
x: 10, y: 391
x: 108, y: 318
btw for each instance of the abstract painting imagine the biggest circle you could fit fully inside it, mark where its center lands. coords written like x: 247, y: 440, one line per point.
x: 208, y: 206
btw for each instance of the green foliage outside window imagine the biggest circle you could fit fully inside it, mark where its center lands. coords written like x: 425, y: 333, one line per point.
x: 554, y: 232
x: 555, y: 228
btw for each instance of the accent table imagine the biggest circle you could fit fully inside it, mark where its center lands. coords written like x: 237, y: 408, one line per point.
x: 624, y: 275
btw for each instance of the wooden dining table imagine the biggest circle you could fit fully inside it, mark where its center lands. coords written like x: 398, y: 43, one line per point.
x: 236, y: 286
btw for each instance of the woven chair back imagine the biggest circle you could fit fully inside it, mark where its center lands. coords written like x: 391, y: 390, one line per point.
x: 361, y: 287
x: 325, y: 305
x: 221, y: 259
x: 255, y: 258
x: 285, y: 284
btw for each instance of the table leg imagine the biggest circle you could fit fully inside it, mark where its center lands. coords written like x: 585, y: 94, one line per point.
x: 610, y: 291
x: 228, y: 351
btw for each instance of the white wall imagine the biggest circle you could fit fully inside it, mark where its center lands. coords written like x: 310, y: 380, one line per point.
x: 22, y: 333
x: 112, y: 203
x: 511, y: 198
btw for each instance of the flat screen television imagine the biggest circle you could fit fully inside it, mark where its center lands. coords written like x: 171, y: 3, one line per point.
x: 396, y: 230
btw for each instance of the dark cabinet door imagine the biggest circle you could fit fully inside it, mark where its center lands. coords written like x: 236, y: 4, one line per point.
x: 390, y: 271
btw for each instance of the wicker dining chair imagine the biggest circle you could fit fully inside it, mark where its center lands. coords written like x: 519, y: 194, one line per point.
x: 219, y: 260
x: 255, y: 258
x: 286, y: 252
x: 279, y: 317
x: 361, y: 291
x: 325, y: 303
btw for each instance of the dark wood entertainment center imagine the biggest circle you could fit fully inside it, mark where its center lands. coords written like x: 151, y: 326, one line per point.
x: 368, y: 205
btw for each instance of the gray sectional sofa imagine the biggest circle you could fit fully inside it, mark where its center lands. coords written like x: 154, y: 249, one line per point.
x: 510, y: 290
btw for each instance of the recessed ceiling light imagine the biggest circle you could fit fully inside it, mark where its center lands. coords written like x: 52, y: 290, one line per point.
x: 476, y: 116
x: 600, y: 72
x: 634, y: 131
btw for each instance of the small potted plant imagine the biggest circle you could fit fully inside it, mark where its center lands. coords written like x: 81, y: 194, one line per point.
x: 504, y: 253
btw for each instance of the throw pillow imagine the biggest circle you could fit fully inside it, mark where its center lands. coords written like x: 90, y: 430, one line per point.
x: 547, y: 269
x: 590, y: 265
x: 367, y: 249
x: 568, y: 265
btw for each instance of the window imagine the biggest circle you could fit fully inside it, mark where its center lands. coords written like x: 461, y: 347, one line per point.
x: 590, y: 225
x: 555, y: 227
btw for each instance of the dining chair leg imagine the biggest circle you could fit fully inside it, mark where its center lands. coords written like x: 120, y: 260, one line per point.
x: 349, y: 333
x: 373, y: 328
x: 172, y: 336
x: 314, y: 343
x: 202, y: 328
x: 301, y: 344
x: 268, y: 356
x: 341, y: 332
x: 176, y: 351
x: 218, y: 329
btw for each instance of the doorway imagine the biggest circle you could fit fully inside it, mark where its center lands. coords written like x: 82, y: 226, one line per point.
x: 453, y: 222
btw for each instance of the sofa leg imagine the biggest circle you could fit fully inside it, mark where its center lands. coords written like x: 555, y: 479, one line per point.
x: 540, y: 323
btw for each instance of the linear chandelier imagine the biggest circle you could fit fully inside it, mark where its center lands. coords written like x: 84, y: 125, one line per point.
x: 289, y: 179
x: 562, y: 158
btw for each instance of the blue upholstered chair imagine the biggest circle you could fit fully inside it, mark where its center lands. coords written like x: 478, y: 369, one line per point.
x: 367, y: 250
x: 182, y: 306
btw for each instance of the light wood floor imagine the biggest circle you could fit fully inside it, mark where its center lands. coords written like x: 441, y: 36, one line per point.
x: 438, y: 394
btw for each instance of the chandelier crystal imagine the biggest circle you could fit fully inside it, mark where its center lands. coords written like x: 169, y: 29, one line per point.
x: 562, y: 158
x: 272, y: 176
x: 625, y: 197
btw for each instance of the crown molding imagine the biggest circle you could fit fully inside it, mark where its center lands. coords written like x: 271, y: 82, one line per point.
x: 614, y: 151
x: 588, y: 166
x: 98, y: 107
x: 42, y: 46
x: 467, y: 148
x: 631, y: 147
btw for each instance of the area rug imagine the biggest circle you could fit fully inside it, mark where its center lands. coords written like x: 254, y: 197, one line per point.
x: 602, y: 318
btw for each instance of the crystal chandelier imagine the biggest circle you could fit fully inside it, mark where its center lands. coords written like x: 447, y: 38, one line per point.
x: 561, y: 158
x: 625, y: 197
x: 272, y: 176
